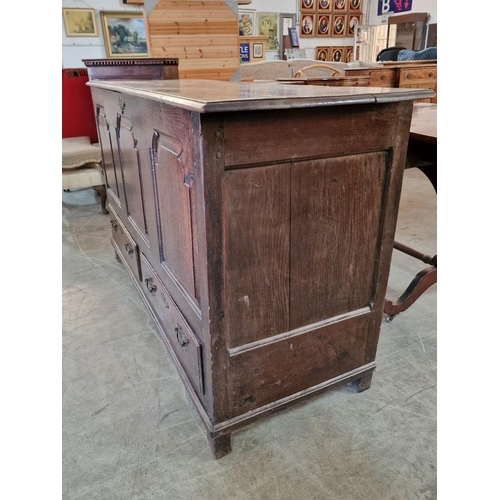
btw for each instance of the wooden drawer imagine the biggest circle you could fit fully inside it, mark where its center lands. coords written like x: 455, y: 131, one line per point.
x: 383, y: 78
x: 174, y: 328
x: 125, y: 245
x: 417, y: 76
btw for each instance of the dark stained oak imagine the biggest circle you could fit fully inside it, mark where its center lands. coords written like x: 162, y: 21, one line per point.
x: 257, y: 223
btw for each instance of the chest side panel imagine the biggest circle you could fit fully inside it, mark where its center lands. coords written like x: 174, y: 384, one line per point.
x: 335, y: 222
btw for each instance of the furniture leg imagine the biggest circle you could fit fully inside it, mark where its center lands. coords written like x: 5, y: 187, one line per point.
x: 101, y: 191
x: 422, y: 281
x: 220, y: 446
x: 362, y: 384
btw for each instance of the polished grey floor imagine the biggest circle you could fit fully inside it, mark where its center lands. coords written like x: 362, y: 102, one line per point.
x: 130, y: 431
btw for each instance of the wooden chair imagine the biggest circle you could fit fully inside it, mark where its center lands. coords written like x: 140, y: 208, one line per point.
x: 301, y: 72
x: 81, y: 167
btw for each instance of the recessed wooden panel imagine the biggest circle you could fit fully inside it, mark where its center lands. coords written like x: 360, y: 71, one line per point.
x: 174, y: 211
x: 336, y: 207
x: 263, y: 375
x: 256, y: 207
x: 107, y: 139
x: 132, y: 170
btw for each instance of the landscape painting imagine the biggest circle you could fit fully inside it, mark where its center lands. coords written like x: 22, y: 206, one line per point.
x: 124, y: 34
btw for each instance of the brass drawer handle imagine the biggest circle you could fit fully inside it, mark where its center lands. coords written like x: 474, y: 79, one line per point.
x: 408, y: 76
x: 431, y: 74
x: 114, y: 225
x: 382, y: 77
x: 181, y: 338
x: 128, y: 248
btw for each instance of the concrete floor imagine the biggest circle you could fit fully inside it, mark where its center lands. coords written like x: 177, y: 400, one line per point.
x: 130, y: 431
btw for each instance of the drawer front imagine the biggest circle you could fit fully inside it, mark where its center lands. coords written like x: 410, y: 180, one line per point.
x: 174, y: 327
x: 417, y: 76
x: 125, y: 244
x: 385, y: 78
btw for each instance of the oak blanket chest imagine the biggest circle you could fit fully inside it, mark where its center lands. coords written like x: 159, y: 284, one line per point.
x: 257, y: 221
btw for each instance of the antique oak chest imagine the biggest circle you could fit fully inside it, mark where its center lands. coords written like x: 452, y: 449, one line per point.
x: 257, y: 221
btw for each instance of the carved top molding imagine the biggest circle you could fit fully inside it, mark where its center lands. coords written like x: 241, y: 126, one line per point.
x: 131, y: 62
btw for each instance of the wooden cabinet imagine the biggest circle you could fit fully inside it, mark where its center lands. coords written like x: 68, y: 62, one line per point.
x: 257, y: 223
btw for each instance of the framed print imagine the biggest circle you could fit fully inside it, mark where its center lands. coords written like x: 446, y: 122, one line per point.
x: 307, y: 23
x: 258, y: 50
x: 246, y: 22
x: 268, y: 26
x: 339, y: 25
x: 355, y: 6
x: 308, y: 5
x: 337, y: 54
x: 324, y: 6
x: 80, y: 22
x: 352, y: 22
x: 322, y: 53
x: 323, y: 24
x: 294, y: 37
x: 340, y: 5
x: 124, y: 34
x: 348, y: 54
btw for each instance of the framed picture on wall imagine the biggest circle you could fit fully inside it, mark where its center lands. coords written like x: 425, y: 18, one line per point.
x: 339, y: 25
x: 308, y: 5
x: 246, y: 22
x: 80, y: 22
x: 323, y: 25
x: 258, y: 50
x: 124, y: 34
x: 324, y: 6
x: 355, y: 5
x: 352, y: 22
x: 268, y: 26
x: 340, y: 5
x: 307, y: 25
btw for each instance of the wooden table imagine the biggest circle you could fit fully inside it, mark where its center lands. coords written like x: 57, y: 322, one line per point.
x: 422, y: 154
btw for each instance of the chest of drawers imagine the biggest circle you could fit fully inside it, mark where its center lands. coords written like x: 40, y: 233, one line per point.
x: 257, y: 223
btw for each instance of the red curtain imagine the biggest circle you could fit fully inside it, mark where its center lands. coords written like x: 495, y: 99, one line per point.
x: 78, y: 117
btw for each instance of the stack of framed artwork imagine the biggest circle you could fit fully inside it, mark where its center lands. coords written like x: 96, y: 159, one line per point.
x: 329, y: 18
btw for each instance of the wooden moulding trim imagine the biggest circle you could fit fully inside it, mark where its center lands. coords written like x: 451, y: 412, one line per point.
x: 298, y: 331
x: 130, y: 62
x: 242, y: 420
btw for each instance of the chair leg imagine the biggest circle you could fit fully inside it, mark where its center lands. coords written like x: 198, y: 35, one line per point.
x: 101, y: 191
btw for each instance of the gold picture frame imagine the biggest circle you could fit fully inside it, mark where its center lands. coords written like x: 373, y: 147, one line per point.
x: 124, y: 34
x: 80, y: 22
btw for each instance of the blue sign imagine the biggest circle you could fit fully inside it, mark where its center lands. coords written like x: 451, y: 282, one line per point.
x: 393, y: 6
x: 244, y: 52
